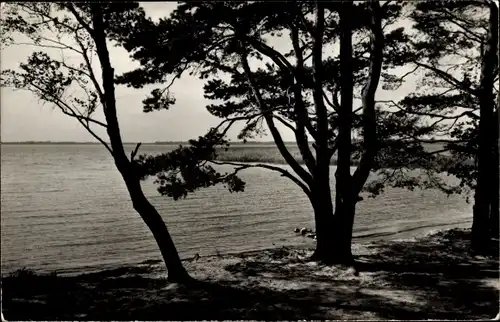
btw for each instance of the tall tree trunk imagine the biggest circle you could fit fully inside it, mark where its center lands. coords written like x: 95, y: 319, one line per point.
x: 482, y: 200
x: 321, y: 201
x: 176, y: 271
x: 495, y: 189
x: 495, y: 204
x: 320, y: 190
x: 495, y: 198
x: 342, y: 233
x: 349, y: 186
x: 344, y: 223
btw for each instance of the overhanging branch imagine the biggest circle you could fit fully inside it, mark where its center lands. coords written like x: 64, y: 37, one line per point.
x: 443, y: 117
x: 449, y: 79
x: 84, y: 118
x: 64, y: 107
x: 284, y: 173
x: 268, y: 116
x: 285, y: 123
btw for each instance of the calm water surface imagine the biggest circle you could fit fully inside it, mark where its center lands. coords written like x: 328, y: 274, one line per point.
x: 65, y: 208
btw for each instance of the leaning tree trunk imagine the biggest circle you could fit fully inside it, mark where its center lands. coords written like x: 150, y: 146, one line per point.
x: 155, y: 223
x: 176, y: 271
x: 482, y: 200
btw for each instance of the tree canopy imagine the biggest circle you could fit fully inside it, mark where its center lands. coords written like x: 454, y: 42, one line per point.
x: 78, y: 90
x: 207, y: 39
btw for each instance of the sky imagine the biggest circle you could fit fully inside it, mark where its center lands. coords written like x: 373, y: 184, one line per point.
x: 24, y: 118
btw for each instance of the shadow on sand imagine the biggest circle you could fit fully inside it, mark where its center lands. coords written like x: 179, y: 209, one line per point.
x: 432, y: 278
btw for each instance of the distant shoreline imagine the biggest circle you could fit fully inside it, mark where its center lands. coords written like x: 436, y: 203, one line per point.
x: 127, y: 143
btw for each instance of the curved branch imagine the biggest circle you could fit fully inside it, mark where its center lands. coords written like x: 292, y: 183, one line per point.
x: 64, y: 107
x: 80, y: 19
x: 402, y: 77
x: 268, y: 116
x: 300, y: 108
x: 417, y: 139
x: 303, y: 121
x: 85, y: 118
x: 231, y: 121
x: 447, y: 117
x: 333, y: 103
x: 32, y: 10
x: 275, y: 55
x: 449, y: 79
x: 467, y: 28
x: 63, y: 63
x: 285, y: 123
x: 284, y: 173
x: 58, y: 46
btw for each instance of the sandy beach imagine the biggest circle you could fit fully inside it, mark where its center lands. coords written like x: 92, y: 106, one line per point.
x: 434, y: 277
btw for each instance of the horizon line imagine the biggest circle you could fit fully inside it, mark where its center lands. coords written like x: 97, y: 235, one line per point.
x: 91, y: 142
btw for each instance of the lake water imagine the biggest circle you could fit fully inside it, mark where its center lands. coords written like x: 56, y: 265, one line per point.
x: 66, y: 208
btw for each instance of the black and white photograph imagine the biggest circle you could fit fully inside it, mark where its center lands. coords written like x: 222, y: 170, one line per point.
x: 249, y: 160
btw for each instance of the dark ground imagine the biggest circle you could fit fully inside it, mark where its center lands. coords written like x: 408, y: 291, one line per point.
x: 430, y: 278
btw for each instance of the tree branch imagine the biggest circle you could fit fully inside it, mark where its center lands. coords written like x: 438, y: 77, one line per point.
x: 417, y: 139
x: 80, y: 19
x: 285, y: 123
x: 468, y: 29
x: 55, y: 21
x: 85, y: 118
x: 91, y: 74
x: 370, y: 140
x: 409, y: 73
x: 333, y: 104
x: 448, y: 117
x: 300, y: 110
x: 276, y: 57
x: 63, y: 106
x: 60, y: 45
x: 301, y: 172
x: 322, y: 153
x: 134, y: 153
x: 232, y: 120
x: 449, y: 79
x: 284, y: 173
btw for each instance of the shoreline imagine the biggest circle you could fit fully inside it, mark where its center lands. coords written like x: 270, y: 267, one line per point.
x: 420, y: 278
x: 360, y: 238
